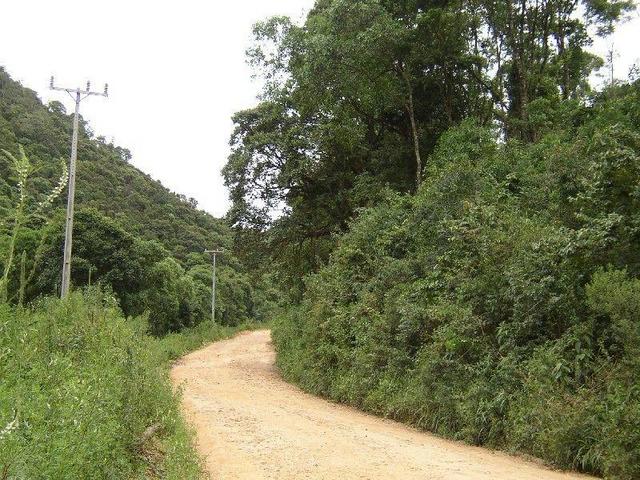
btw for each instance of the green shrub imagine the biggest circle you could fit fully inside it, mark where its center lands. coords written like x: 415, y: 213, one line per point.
x: 79, y: 387
x: 479, y: 308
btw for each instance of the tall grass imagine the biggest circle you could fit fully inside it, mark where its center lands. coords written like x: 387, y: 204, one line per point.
x: 85, y: 393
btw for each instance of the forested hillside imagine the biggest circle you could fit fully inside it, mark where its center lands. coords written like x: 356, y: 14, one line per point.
x: 106, y: 180
x: 451, y: 210
x: 131, y: 233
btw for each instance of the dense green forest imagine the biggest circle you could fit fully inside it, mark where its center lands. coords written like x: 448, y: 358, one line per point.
x: 451, y: 212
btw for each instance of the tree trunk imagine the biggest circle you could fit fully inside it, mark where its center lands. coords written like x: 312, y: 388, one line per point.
x: 414, y: 128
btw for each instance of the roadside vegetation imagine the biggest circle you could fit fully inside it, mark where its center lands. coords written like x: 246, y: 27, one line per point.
x: 85, y: 393
x: 458, y: 246
x: 499, y: 305
x: 84, y: 387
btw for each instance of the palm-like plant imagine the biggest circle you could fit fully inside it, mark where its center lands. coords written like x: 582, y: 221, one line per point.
x: 25, y: 209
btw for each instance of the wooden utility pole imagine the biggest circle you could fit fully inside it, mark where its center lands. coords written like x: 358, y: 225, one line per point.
x: 78, y: 95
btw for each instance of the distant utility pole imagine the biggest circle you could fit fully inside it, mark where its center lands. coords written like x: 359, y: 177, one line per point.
x: 78, y: 95
x: 213, y: 289
x: 611, y: 56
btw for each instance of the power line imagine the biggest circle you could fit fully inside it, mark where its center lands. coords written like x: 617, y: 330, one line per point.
x: 78, y: 95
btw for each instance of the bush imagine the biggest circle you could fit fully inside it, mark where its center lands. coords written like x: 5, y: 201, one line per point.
x: 79, y: 387
x: 499, y: 305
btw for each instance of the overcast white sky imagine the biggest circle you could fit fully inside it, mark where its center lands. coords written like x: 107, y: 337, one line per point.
x: 176, y: 72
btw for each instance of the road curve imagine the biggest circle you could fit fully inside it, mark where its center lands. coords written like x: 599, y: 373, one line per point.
x: 252, y: 425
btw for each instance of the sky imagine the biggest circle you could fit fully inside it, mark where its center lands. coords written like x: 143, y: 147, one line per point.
x: 176, y: 74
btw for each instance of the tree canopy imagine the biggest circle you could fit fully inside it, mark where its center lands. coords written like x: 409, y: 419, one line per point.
x: 357, y: 97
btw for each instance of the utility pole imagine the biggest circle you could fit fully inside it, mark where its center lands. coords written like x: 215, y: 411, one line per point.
x: 78, y: 95
x: 611, y: 55
x: 213, y: 283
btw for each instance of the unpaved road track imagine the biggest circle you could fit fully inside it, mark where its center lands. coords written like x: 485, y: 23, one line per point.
x: 252, y: 425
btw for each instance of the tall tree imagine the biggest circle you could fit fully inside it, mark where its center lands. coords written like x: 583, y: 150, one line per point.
x: 538, y: 49
x: 357, y: 98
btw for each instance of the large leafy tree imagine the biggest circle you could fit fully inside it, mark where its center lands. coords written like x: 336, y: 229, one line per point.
x: 357, y: 98
x: 354, y: 101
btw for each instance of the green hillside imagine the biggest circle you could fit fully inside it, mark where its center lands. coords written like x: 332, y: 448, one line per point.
x: 131, y: 233
x: 105, y: 179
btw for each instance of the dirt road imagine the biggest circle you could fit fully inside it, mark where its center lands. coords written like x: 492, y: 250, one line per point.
x: 252, y: 425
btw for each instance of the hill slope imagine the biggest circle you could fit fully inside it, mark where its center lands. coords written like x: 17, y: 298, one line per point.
x: 105, y: 180
x: 131, y: 232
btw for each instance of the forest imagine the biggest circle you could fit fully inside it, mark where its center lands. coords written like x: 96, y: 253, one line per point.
x: 450, y: 209
x: 434, y: 205
x: 131, y: 234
